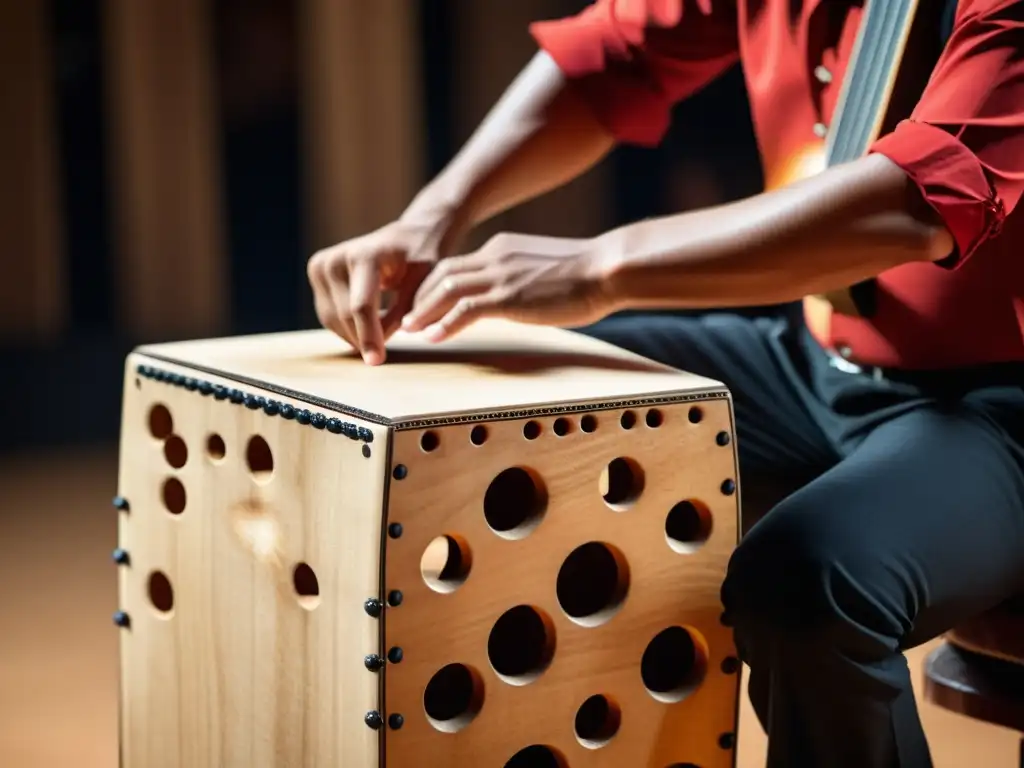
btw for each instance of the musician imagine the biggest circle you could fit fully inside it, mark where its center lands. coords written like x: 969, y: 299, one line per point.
x: 901, y: 427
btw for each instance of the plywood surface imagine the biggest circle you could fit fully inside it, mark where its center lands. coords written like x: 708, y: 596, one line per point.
x: 601, y: 613
x: 58, y: 650
x: 493, y: 365
x: 268, y: 532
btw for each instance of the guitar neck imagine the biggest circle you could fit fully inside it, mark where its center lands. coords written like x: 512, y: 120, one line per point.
x: 882, y: 83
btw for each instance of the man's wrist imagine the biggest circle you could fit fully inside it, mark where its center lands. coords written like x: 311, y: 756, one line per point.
x: 441, y: 216
x: 605, y: 262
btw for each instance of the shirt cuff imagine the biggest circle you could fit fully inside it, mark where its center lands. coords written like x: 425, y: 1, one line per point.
x: 952, y: 181
x: 612, y: 80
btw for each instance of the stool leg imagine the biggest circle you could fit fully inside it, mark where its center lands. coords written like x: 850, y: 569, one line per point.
x: 1022, y: 752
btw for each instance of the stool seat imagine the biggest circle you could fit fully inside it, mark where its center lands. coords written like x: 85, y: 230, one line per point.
x: 999, y: 633
x: 978, y: 686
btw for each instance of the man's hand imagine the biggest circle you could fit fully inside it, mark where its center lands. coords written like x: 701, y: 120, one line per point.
x: 542, y: 280
x: 348, y: 279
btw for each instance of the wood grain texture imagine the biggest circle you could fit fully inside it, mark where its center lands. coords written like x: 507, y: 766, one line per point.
x: 239, y: 672
x: 172, y: 270
x: 447, y: 493
x: 363, y: 119
x: 493, y: 366
x: 33, y: 299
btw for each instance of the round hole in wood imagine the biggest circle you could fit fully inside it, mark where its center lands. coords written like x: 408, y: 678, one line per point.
x: 537, y: 756
x: 597, y: 721
x: 695, y: 414
x: 653, y: 418
x: 307, y: 586
x: 562, y: 427
x: 515, y: 502
x: 687, y: 526
x: 684, y: 765
x: 161, y: 593
x: 453, y: 697
x: 592, y: 583
x: 621, y: 483
x: 173, y: 494
x: 259, y: 458
x: 478, y: 435
x: 446, y: 563
x: 674, y: 664
x: 521, y: 644
x: 628, y: 420
x: 176, y: 452
x: 215, y: 447
x: 588, y: 423
x: 429, y: 441
x: 531, y: 430
x: 161, y: 425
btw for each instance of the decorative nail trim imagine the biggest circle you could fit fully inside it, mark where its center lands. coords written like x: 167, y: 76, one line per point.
x: 256, y: 402
x: 670, y: 398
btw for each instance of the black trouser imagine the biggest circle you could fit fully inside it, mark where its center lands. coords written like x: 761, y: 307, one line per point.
x: 907, y: 518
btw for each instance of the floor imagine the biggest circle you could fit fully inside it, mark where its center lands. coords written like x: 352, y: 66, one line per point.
x: 58, y: 648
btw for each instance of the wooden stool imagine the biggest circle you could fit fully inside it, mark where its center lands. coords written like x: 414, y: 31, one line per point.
x: 979, y: 671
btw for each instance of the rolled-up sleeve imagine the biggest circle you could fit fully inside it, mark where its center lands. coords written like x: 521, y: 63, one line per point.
x: 632, y: 60
x: 964, y: 143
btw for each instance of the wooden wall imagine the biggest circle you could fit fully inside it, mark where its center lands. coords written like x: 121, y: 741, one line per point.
x: 363, y: 136
x: 32, y: 284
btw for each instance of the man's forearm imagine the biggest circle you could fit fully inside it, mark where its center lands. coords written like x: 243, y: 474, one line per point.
x: 537, y: 137
x: 824, y: 233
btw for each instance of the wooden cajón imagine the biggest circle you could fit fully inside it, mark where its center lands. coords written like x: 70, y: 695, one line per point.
x: 504, y: 551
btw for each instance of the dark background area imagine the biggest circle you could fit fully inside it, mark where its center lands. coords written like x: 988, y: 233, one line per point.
x: 66, y: 390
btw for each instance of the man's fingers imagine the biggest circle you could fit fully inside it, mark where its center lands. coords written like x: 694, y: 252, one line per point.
x: 453, y: 265
x: 364, y: 295
x: 403, y: 298
x: 452, y: 289
x: 323, y: 301
x: 465, y: 312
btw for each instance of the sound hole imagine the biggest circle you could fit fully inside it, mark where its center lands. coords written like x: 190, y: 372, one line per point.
x: 173, y: 494
x: 597, y: 721
x: 429, y: 441
x: 161, y: 593
x: 673, y: 664
x: 161, y: 425
x: 307, y: 586
x: 260, y: 459
x: 621, y: 483
x: 514, y: 503
x: 687, y: 526
x: 453, y: 697
x: 446, y: 563
x: 521, y: 644
x: 537, y: 756
x: 176, y: 452
x: 592, y: 583
x: 215, y: 447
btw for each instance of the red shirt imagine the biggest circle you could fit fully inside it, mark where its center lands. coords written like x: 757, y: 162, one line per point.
x: 963, y: 144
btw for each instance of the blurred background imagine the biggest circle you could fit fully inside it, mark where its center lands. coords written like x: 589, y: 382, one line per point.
x: 166, y: 168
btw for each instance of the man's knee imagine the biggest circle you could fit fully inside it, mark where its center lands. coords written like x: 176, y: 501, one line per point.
x: 797, y: 573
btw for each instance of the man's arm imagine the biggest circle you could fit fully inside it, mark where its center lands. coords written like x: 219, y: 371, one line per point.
x: 611, y: 73
x: 538, y: 136
x: 829, y: 231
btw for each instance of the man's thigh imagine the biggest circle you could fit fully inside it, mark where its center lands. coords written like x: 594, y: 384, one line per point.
x: 921, y: 527
x: 780, y: 444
